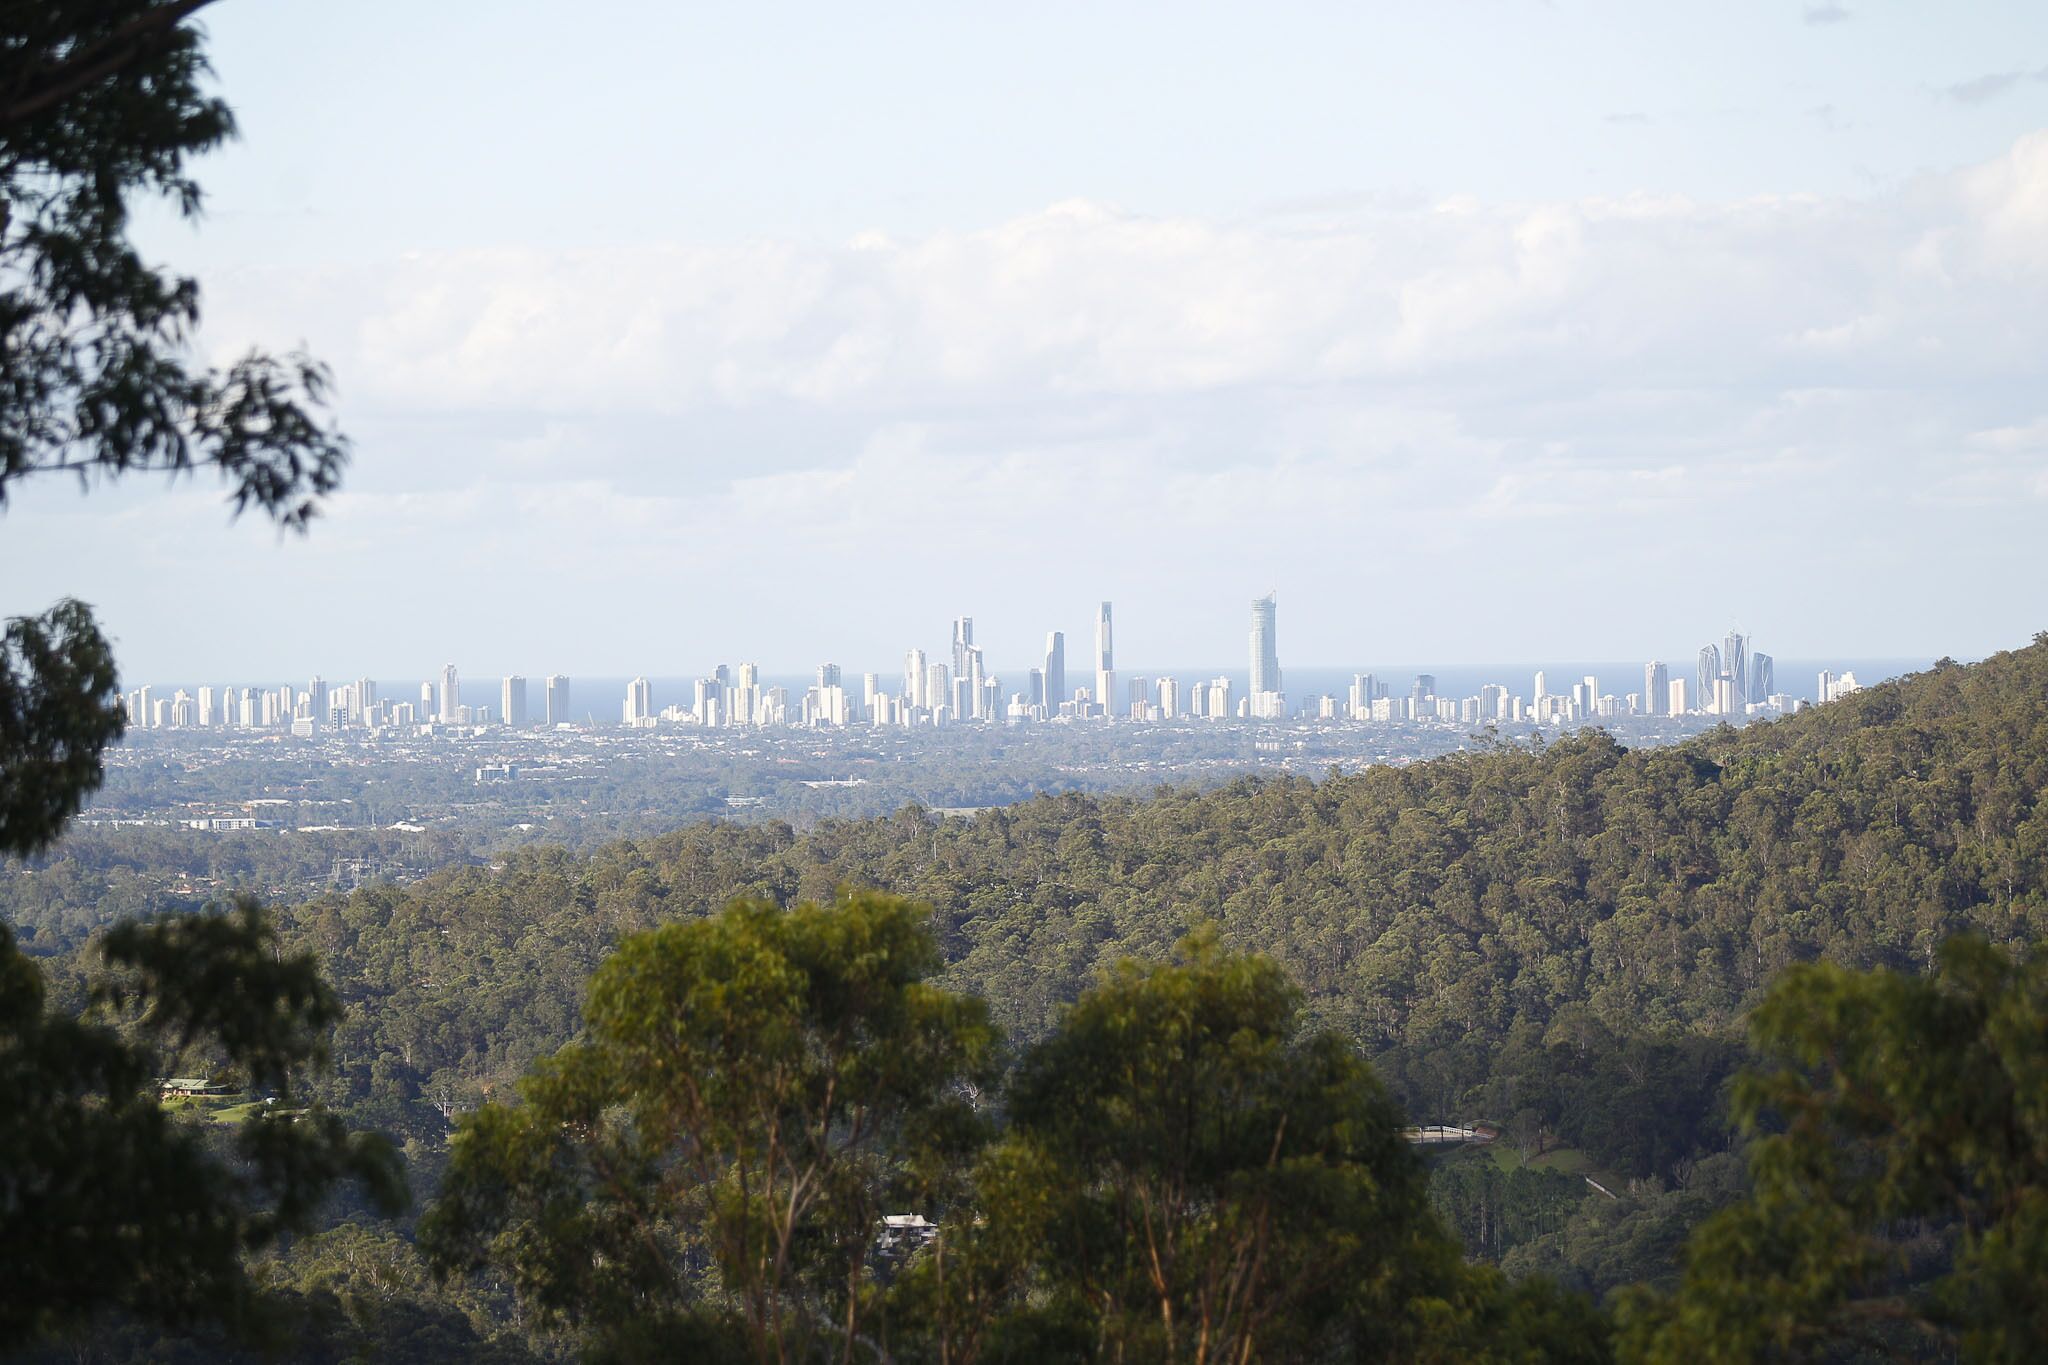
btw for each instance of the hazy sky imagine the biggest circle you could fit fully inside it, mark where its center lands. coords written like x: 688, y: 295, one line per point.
x: 670, y: 335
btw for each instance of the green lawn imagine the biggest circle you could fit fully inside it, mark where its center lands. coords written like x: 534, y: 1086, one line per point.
x: 235, y: 1108
x: 1570, y: 1160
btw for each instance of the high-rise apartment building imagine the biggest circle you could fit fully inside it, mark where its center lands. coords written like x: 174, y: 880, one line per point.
x: 1055, y: 671
x: 915, y: 672
x: 1735, y: 667
x: 558, y: 699
x: 512, y: 702
x: 1265, y: 646
x: 638, y: 711
x: 316, y: 695
x: 1656, y: 688
x: 451, y: 694
x: 1763, y: 676
x: 974, y: 678
x: 963, y: 640
x: 1105, y: 660
x: 1705, y: 675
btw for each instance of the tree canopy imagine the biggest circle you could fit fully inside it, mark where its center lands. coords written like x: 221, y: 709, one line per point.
x: 107, y: 1200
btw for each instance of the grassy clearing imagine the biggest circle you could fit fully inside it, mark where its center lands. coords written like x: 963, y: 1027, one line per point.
x: 228, y: 1109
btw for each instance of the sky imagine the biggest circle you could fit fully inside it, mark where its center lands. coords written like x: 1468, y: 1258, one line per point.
x: 672, y: 335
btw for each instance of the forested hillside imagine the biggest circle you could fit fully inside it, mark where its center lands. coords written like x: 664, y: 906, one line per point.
x: 1562, y: 939
x: 1436, y: 913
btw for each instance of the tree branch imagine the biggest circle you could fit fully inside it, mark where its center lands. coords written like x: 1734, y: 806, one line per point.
x: 83, y: 70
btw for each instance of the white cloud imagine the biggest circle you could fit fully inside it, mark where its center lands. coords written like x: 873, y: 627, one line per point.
x: 1081, y: 301
x: 1645, y: 404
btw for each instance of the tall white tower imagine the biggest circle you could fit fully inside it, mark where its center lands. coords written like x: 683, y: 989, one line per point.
x: 1055, y: 671
x: 1265, y: 646
x: 1105, y: 661
x: 451, y: 694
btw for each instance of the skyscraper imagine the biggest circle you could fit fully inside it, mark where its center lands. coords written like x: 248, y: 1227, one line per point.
x: 558, y: 699
x: 451, y: 694
x: 1265, y: 646
x: 1763, y: 677
x: 1055, y: 671
x: 963, y: 636
x: 1706, y: 675
x: 1656, y: 688
x: 316, y: 693
x: 914, y: 676
x: 512, y: 702
x: 974, y: 677
x: 1735, y: 664
x: 639, y: 705
x: 1105, y: 661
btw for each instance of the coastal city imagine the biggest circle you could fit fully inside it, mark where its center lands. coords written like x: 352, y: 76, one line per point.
x: 1729, y: 681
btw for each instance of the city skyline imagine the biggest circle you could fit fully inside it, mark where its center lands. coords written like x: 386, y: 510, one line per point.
x: 1731, y: 679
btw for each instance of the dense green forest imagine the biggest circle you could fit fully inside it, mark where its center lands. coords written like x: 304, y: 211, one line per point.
x: 1507, y: 904
x: 1562, y: 940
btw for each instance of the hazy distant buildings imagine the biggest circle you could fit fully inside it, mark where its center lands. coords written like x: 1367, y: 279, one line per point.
x: 1731, y: 679
x: 638, y: 711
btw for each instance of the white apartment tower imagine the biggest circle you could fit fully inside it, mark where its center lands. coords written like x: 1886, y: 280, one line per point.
x: 1105, y: 660
x: 1265, y: 646
x: 638, y: 710
x: 512, y: 702
x: 1055, y: 671
x: 451, y: 694
x: 1656, y: 688
x: 963, y: 640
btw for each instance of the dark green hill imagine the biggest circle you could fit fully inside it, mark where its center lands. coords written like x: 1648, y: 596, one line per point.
x: 1452, y: 904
